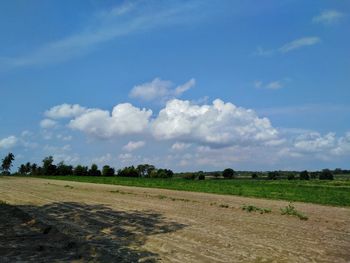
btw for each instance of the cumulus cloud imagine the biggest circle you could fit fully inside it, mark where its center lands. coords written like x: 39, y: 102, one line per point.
x: 65, y: 111
x: 159, y: 89
x: 124, y: 119
x: 317, y: 146
x: 328, y: 17
x: 299, y: 43
x: 8, y: 142
x: 219, y: 124
x: 133, y: 145
x: 315, y: 142
x: 48, y: 123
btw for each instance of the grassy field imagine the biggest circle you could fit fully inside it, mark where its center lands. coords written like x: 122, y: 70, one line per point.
x: 336, y: 193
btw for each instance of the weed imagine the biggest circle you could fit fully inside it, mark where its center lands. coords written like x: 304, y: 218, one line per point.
x: 224, y: 206
x: 68, y: 186
x: 120, y: 192
x: 290, y: 210
x: 252, y: 208
x: 161, y: 197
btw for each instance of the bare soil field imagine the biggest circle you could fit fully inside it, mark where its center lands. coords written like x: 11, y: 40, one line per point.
x: 60, y: 221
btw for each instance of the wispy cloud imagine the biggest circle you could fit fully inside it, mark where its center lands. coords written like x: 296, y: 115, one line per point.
x: 288, y: 47
x: 277, y: 84
x: 328, y: 17
x: 105, y: 26
x: 299, y: 43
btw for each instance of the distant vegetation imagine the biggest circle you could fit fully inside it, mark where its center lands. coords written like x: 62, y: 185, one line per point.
x: 330, y: 187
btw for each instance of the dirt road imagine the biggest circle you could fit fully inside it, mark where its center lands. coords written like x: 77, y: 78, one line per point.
x: 129, y: 224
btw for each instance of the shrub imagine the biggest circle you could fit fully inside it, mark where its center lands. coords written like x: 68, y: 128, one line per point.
x: 216, y: 174
x: 201, y: 177
x: 228, y: 173
x: 273, y: 175
x: 304, y: 175
x: 189, y: 176
x: 326, y: 174
x: 290, y: 176
x: 254, y: 176
x: 252, y: 208
x: 290, y: 210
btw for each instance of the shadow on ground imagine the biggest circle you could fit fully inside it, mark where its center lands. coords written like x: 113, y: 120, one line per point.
x: 71, y: 231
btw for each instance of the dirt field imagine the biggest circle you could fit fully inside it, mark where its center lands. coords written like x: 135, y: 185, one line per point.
x: 70, y: 221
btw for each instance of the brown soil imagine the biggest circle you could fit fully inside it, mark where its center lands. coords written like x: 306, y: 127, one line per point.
x: 70, y: 221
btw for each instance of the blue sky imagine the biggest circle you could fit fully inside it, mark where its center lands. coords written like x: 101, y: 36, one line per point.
x: 189, y: 85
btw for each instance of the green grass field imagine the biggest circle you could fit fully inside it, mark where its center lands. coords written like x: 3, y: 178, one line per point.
x: 336, y: 193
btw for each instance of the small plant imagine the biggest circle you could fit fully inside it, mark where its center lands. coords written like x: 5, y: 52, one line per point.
x: 252, y: 208
x: 290, y: 210
x: 68, y: 186
x: 224, y: 206
x: 161, y: 197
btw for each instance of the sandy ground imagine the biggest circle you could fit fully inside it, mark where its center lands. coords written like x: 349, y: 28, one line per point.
x: 105, y: 223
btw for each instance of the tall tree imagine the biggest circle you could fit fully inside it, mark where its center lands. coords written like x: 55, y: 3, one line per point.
x: 48, y: 167
x: 7, y: 163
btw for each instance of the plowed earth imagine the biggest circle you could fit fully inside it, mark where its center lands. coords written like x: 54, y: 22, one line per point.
x: 54, y: 221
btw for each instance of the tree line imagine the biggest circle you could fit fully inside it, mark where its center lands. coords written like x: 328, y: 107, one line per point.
x: 49, y: 168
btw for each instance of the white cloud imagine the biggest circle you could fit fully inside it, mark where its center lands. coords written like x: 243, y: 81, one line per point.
x: 263, y: 52
x: 26, y: 133
x: 103, y: 160
x: 47, y: 124
x: 124, y: 119
x: 159, y: 89
x: 133, y: 145
x: 8, y: 142
x: 64, y: 137
x: 314, y: 142
x: 219, y: 124
x: 299, y: 43
x: 106, y: 26
x: 328, y: 17
x: 271, y: 85
x: 65, y: 111
x: 313, y: 145
x: 293, y: 45
x: 180, y: 146
x: 343, y: 145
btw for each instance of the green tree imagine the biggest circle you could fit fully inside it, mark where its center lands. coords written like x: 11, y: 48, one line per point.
x: 63, y: 169
x: 80, y: 170
x: 34, y: 169
x: 22, y: 169
x: 48, y: 167
x: 108, y: 171
x: 273, y: 175
x: 7, y: 163
x: 326, y: 174
x: 144, y: 170
x: 94, y: 171
x: 304, y: 175
x: 130, y: 171
x: 228, y: 173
